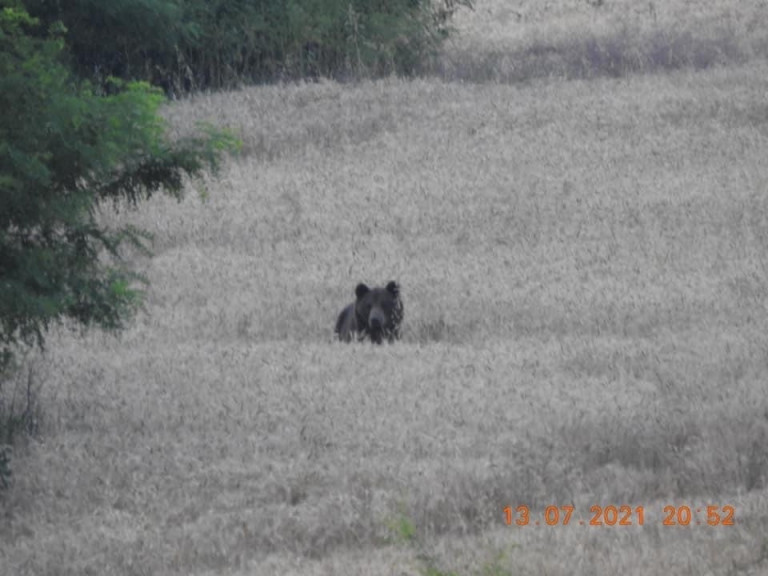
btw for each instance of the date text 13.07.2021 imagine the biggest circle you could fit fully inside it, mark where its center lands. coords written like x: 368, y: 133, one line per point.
x: 620, y: 516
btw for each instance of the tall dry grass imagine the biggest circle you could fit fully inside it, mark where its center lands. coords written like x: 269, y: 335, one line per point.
x: 515, y: 40
x: 584, y: 271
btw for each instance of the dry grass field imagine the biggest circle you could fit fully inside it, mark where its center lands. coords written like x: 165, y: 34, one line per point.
x: 583, y: 256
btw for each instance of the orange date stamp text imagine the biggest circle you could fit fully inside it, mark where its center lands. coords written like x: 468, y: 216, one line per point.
x: 682, y: 515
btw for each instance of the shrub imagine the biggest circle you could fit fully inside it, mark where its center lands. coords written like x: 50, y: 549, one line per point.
x: 184, y: 45
x: 63, y: 151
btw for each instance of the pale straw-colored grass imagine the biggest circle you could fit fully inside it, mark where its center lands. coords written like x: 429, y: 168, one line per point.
x: 515, y: 40
x: 583, y: 265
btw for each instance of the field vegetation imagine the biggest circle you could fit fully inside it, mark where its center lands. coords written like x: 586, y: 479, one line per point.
x: 191, y: 45
x: 575, y: 207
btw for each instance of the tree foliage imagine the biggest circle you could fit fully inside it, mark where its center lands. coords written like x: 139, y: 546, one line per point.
x: 185, y: 45
x: 64, y: 150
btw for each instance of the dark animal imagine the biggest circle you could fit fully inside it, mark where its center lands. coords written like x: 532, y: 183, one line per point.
x: 376, y: 314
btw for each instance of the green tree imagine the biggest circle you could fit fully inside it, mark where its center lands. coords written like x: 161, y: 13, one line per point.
x: 64, y: 150
x: 129, y: 39
x: 185, y: 45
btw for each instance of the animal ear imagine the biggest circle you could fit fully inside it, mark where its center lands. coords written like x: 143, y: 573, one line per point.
x: 393, y: 289
x: 361, y: 290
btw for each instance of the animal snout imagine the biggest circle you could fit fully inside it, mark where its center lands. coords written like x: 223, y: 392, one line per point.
x: 376, y: 320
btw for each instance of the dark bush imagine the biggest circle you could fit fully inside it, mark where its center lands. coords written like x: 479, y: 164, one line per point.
x: 184, y: 45
x: 64, y: 150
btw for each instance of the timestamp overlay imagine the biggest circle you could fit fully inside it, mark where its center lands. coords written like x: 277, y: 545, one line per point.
x: 677, y: 515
